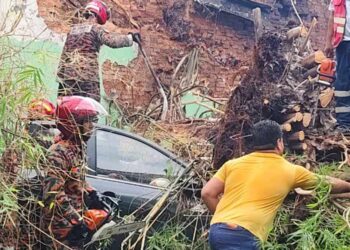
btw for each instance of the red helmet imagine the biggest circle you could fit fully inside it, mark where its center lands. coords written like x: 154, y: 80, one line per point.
x: 73, y: 111
x: 100, y: 9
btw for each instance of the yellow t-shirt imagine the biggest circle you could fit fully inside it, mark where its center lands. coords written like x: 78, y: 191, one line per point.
x: 255, y: 187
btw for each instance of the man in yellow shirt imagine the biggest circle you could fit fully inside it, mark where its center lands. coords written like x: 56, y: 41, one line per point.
x: 246, y: 192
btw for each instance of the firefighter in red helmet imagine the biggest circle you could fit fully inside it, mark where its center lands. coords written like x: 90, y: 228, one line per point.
x: 78, y: 71
x: 64, y: 183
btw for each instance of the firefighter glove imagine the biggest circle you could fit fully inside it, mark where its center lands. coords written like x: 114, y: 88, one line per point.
x: 78, y: 234
x: 136, y: 37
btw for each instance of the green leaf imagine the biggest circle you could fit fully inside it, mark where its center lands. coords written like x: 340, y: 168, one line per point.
x: 52, y: 204
x: 41, y: 204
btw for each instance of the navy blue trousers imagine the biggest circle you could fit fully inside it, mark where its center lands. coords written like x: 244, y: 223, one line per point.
x: 223, y: 237
x: 342, y: 84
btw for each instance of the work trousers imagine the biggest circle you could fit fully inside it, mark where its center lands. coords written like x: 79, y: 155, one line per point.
x: 225, y: 237
x: 342, y: 84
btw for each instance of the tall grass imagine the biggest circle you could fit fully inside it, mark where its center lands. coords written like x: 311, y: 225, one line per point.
x: 20, y: 83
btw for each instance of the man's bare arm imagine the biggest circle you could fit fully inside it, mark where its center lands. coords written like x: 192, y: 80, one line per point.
x: 211, y: 192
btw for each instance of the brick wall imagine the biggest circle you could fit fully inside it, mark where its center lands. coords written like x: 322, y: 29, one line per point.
x: 224, y: 49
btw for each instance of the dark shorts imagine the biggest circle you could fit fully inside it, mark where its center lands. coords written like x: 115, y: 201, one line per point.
x: 224, y: 237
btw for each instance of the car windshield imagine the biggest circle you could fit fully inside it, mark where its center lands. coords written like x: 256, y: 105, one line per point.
x: 119, y: 154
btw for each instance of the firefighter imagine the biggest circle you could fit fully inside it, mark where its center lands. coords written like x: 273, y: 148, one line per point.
x: 78, y: 71
x: 64, y: 183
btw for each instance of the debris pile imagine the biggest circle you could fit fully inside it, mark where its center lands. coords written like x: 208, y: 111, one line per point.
x: 283, y: 85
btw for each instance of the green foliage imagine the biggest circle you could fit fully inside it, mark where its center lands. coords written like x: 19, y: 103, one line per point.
x: 323, y: 229
x: 170, y: 238
x: 104, y: 244
x: 19, y: 84
x: 18, y: 87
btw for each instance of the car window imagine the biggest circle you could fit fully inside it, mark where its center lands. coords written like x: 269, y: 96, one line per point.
x: 120, y: 154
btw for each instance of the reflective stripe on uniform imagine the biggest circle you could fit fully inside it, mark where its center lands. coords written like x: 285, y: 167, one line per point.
x: 341, y: 93
x: 340, y: 30
x: 339, y: 20
x: 342, y: 109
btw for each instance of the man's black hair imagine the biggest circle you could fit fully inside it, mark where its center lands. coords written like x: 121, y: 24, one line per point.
x: 265, y: 135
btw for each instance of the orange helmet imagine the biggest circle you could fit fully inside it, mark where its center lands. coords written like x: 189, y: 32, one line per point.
x: 39, y: 108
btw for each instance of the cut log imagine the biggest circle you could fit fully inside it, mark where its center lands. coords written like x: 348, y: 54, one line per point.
x: 266, y: 102
x: 297, y: 136
x: 292, y: 108
x: 294, y: 117
x: 311, y: 60
x: 294, y: 33
x: 287, y: 127
x: 306, y: 119
x: 298, y: 146
x: 326, y: 97
x: 319, y: 56
x: 297, y: 108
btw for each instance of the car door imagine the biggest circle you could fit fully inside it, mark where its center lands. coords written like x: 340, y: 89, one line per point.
x: 126, y: 164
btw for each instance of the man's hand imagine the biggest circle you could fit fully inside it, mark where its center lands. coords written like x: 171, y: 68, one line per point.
x: 329, y: 50
x: 93, y: 200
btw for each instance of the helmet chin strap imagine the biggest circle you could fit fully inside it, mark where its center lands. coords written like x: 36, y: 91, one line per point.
x: 88, y: 14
